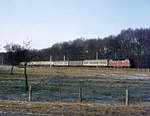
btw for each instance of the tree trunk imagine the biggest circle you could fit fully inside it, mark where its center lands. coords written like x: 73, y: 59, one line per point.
x: 12, y: 68
x: 26, y: 77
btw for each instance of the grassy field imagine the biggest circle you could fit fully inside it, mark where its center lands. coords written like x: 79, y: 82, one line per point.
x: 104, y: 86
x: 97, y: 86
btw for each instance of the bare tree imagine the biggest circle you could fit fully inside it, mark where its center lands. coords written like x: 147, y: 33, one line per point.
x: 13, y: 55
x: 26, y: 58
x: 17, y: 54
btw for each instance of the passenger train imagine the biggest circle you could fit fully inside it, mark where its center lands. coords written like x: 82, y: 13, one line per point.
x: 84, y: 63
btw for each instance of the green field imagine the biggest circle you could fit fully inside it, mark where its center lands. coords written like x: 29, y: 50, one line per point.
x: 102, y: 88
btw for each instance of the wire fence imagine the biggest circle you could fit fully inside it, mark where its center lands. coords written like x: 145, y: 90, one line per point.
x: 64, y: 93
x: 109, y: 89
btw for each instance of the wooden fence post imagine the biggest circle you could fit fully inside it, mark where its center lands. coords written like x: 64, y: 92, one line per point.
x: 59, y: 98
x: 30, y: 94
x: 59, y: 93
x: 80, y: 95
x: 127, y: 97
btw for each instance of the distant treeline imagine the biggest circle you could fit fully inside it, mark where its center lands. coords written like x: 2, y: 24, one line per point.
x: 131, y: 44
x: 2, y: 59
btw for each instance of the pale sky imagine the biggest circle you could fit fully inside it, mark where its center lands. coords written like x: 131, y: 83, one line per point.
x: 46, y: 22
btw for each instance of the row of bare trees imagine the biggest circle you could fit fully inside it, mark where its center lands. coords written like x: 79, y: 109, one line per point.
x: 131, y: 44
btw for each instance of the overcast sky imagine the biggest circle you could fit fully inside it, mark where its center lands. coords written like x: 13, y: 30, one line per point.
x: 46, y: 22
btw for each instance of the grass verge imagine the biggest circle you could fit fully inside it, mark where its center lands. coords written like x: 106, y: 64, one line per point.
x: 72, y: 109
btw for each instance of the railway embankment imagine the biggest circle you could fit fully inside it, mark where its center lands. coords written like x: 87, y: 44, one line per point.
x: 78, y: 70
x: 88, y: 71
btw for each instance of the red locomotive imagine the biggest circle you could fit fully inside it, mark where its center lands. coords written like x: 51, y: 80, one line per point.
x: 119, y: 63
